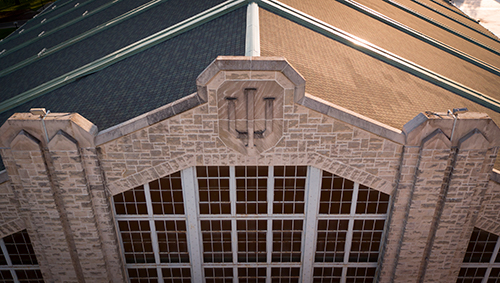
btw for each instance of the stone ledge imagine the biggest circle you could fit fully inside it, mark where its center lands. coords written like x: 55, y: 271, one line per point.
x: 352, y: 118
x: 495, y: 176
x: 4, y: 177
x: 148, y: 118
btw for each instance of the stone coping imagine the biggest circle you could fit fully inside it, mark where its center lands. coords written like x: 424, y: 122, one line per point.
x: 353, y: 118
x: 495, y: 175
x: 4, y: 177
x: 148, y: 118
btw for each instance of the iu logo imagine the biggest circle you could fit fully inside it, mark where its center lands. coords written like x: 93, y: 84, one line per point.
x: 250, y: 115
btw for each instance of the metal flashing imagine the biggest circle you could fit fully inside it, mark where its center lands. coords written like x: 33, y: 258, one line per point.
x: 457, y: 11
x: 47, y: 33
x: 123, y: 53
x: 443, y: 46
x: 378, y: 53
x: 82, y: 36
x: 432, y: 21
x: 456, y: 20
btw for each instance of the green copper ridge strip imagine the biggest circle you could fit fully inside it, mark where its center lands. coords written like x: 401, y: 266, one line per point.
x: 47, y: 21
x: 81, y: 37
x: 455, y: 11
x: 378, y: 53
x: 26, y: 43
x: 134, y: 48
x: 436, y: 43
x: 417, y: 14
x: 456, y: 20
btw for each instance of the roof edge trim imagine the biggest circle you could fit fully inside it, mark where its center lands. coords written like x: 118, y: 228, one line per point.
x: 352, y: 118
x: 45, y: 52
x: 412, y: 32
x: 379, y: 53
x: 123, y: 53
x: 148, y: 118
x: 461, y: 13
x: 491, y: 36
x: 436, y: 23
x: 58, y: 28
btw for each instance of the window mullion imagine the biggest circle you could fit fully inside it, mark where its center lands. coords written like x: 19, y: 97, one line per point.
x: 313, y: 189
x: 348, y: 241
x: 269, y: 239
x: 492, y: 261
x: 7, y: 259
x: 152, y: 227
x: 234, y: 235
x: 189, y: 185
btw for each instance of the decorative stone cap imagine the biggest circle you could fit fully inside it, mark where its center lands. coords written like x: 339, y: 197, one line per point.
x: 73, y: 124
x: 251, y: 64
x: 466, y: 124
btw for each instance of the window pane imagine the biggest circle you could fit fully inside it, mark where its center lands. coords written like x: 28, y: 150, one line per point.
x: 166, y: 195
x: 471, y: 275
x: 336, y: 195
x: 176, y: 275
x: 20, y: 249
x: 331, y: 240
x: 366, y: 238
x: 360, y: 275
x: 371, y: 201
x: 481, y: 246
x: 218, y: 275
x: 142, y: 275
x: 252, y: 275
x: 172, y: 241
x: 213, y: 184
x: 136, y: 236
x: 216, y: 236
x: 327, y: 274
x: 252, y: 240
x: 285, y: 274
x: 289, y: 189
x: 287, y: 240
x: 251, y: 189
x: 131, y: 202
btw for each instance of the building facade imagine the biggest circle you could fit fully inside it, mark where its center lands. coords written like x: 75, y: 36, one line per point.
x: 256, y: 178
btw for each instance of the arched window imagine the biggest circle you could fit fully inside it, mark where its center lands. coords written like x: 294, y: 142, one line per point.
x: 251, y: 224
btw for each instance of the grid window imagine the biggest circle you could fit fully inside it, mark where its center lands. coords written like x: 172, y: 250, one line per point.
x: 366, y: 238
x: 360, y: 275
x: 481, y: 246
x: 494, y: 276
x: 251, y: 189
x: 176, y: 275
x: 20, y: 249
x: 331, y: 240
x: 336, y: 194
x: 218, y: 275
x: 287, y: 240
x: 131, y: 202
x: 172, y: 241
x: 371, y: 201
x: 213, y: 184
x: 285, y: 274
x: 252, y: 240
x: 5, y: 276
x: 3, y: 261
x: 327, y: 274
x: 166, y: 195
x: 137, y: 244
x: 216, y: 235
x: 289, y: 189
x: 251, y: 275
x: 471, y: 275
x: 31, y: 276
x: 142, y: 275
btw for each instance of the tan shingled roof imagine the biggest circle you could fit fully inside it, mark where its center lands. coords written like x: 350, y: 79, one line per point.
x: 351, y: 79
x: 348, y: 19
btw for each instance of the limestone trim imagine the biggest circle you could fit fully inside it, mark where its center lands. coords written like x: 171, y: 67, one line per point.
x: 149, y: 118
x: 487, y: 224
x: 4, y: 177
x: 307, y: 159
x: 12, y: 227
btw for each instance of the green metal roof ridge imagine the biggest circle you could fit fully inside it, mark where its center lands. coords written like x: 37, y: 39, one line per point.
x: 443, y: 26
x: 47, y: 21
x: 461, y: 13
x: 58, y: 28
x: 134, y: 48
x: 456, y: 20
x: 434, y: 42
x: 80, y: 37
x: 378, y: 53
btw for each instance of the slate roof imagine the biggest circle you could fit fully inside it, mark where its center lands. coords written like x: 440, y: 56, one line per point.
x: 166, y: 72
